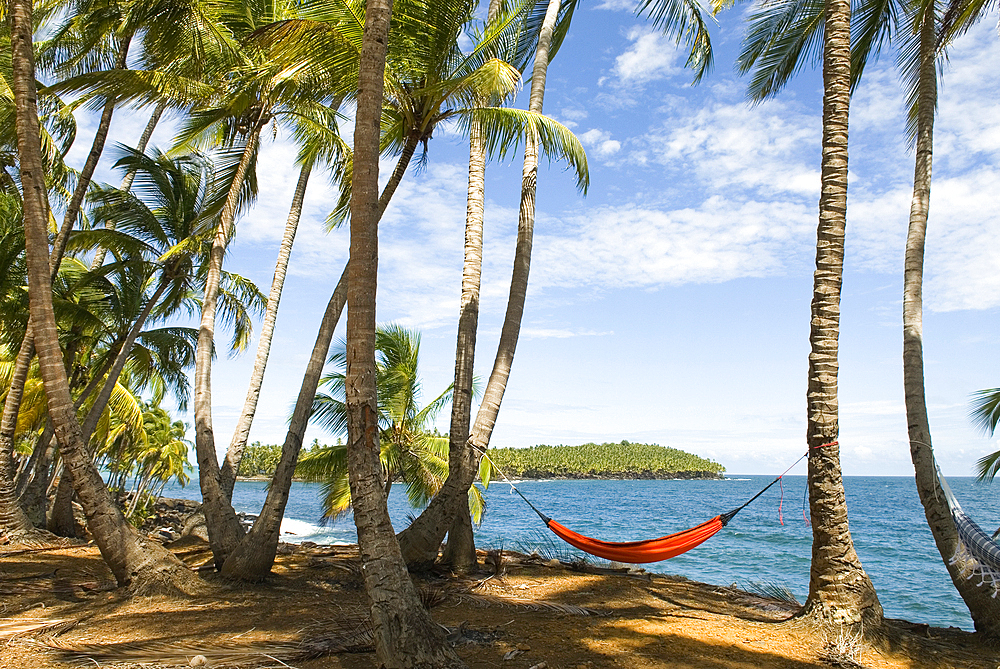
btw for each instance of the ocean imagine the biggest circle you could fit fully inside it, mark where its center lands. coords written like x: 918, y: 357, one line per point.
x: 758, y: 547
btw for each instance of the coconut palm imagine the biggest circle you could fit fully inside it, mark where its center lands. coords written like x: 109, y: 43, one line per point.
x: 431, y: 86
x: 780, y: 35
x: 409, y: 452
x: 320, y: 141
x: 405, y: 635
x: 133, y: 561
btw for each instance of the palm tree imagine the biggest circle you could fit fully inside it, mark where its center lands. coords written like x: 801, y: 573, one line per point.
x: 409, y: 452
x: 320, y: 140
x: 985, y: 610
x: 170, y: 216
x: 133, y: 561
x: 420, y: 541
x: 839, y: 589
x: 405, y: 635
x: 429, y: 83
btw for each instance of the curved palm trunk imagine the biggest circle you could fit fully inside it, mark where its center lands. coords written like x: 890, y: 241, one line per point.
x: 839, y: 589
x: 405, y: 635
x: 119, y: 365
x: 234, y: 453
x: 132, y: 559
x: 9, y: 517
x: 983, y: 607
x: 126, y: 186
x: 224, y: 530
x: 253, y: 558
x: 421, y: 540
x: 460, y: 552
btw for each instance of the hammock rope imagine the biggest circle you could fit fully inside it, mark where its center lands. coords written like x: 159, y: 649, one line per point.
x: 649, y: 550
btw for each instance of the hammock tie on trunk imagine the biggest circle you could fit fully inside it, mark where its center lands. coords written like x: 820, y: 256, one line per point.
x: 650, y: 550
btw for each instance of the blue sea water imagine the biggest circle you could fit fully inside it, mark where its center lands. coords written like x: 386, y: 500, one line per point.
x: 887, y: 523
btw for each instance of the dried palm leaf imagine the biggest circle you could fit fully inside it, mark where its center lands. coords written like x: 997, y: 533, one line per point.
x: 170, y: 651
x: 11, y: 628
x: 530, y: 604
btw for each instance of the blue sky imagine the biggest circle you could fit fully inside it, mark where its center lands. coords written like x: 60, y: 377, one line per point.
x: 671, y: 304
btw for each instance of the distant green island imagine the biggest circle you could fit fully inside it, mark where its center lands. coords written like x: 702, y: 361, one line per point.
x: 623, y: 460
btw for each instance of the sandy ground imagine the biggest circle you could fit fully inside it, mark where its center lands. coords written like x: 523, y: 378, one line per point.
x: 59, y: 608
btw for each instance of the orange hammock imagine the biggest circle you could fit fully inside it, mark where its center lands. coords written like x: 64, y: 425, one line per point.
x: 650, y: 550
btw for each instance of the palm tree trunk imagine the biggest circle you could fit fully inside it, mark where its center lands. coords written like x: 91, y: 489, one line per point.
x: 224, y: 530
x: 421, y: 540
x: 405, y: 635
x: 234, y: 453
x: 119, y: 365
x: 984, y: 609
x: 132, y: 559
x: 839, y: 589
x: 32, y: 496
x: 253, y: 558
x: 10, y: 517
x: 460, y: 552
x: 130, y: 175
x: 59, y: 519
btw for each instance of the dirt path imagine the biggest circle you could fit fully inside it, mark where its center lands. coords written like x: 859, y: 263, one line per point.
x: 58, y: 608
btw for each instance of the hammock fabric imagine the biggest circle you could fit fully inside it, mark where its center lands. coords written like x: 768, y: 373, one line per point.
x: 977, y: 554
x: 650, y: 550
x: 640, y: 552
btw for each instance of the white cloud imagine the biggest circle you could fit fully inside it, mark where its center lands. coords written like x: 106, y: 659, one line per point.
x: 771, y: 148
x: 650, y: 57
x: 601, y: 141
x: 631, y: 246
x: 616, y: 5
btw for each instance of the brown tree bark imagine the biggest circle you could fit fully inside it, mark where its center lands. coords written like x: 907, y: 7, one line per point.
x: 224, y: 530
x: 983, y: 607
x: 422, y: 539
x: 405, y: 635
x: 231, y: 463
x: 10, y: 517
x: 253, y: 558
x: 133, y: 560
x: 839, y: 589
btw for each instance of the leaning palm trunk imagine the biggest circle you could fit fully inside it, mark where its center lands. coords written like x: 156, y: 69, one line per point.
x: 460, y: 552
x: 983, y: 607
x: 404, y: 634
x: 253, y: 558
x: 224, y: 530
x: 119, y: 365
x: 422, y: 539
x: 132, y: 559
x: 10, y: 517
x: 234, y: 453
x: 839, y: 589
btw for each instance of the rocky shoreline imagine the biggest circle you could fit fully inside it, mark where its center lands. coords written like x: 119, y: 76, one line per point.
x: 176, y: 518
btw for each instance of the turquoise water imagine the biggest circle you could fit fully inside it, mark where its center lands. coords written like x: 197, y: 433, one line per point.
x: 887, y: 523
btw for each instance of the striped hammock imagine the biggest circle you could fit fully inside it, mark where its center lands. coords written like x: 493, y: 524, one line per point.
x: 977, y: 555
